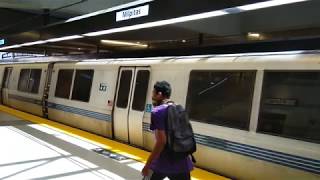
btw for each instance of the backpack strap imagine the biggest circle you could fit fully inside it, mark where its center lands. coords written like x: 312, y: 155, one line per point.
x: 166, y: 130
x: 170, y: 105
x: 169, y: 102
x: 193, y: 159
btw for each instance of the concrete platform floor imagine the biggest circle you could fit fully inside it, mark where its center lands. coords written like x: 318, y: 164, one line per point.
x: 36, y: 148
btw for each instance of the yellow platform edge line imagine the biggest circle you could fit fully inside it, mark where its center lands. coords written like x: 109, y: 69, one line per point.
x: 129, y: 151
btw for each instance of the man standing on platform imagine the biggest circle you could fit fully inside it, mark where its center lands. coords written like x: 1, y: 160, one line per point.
x: 159, y: 161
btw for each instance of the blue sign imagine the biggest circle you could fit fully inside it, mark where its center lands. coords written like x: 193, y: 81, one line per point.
x: 1, y: 41
x: 148, y: 108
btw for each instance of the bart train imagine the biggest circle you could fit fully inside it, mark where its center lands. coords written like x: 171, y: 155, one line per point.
x: 255, y: 116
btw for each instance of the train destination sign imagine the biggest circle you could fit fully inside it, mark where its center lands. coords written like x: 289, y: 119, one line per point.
x: 132, y: 13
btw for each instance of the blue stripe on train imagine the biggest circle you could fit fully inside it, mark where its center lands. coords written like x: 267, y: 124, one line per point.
x: 298, y: 162
x: 83, y: 112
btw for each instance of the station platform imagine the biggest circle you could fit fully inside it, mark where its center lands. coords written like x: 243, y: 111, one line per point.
x: 36, y: 148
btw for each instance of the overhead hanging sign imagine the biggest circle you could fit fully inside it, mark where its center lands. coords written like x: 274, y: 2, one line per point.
x: 132, y: 13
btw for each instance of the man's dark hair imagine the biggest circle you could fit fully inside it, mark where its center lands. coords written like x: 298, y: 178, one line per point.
x: 163, y: 87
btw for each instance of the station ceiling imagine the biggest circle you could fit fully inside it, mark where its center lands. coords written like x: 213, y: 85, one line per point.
x: 40, y: 20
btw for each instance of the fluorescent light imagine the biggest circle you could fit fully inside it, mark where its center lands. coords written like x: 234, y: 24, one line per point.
x: 64, y: 38
x: 134, y: 3
x: 85, y: 16
x: 123, y: 43
x: 42, y: 42
x: 262, y: 53
x: 267, y: 4
x: 33, y: 43
x: 253, y: 35
x: 159, y: 23
x: 10, y: 47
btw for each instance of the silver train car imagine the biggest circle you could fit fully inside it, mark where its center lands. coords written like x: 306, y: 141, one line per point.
x: 255, y: 116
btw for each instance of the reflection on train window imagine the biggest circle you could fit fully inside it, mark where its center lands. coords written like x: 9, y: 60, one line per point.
x: 290, y: 105
x: 82, y: 85
x: 6, y: 77
x: 23, y: 80
x: 221, y: 97
x: 64, y: 83
x: 124, y: 89
x: 140, y: 92
x: 34, y: 81
x: 29, y: 80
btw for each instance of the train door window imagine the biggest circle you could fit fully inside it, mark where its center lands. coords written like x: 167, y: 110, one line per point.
x: 82, y: 85
x: 29, y: 80
x: 34, y: 80
x: 23, y: 80
x: 221, y: 97
x: 290, y: 105
x: 6, y: 77
x: 140, y: 92
x: 64, y: 82
x: 124, y: 89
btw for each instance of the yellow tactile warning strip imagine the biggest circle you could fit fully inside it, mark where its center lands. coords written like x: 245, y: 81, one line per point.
x: 129, y: 151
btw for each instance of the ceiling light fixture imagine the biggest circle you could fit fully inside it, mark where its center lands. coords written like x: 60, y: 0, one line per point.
x: 10, y: 47
x: 33, y: 43
x: 124, y: 43
x: 64, y: 38
x: 267, y: 4
x: 254, y: 35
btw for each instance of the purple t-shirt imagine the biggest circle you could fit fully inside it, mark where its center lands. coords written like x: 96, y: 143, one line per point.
x: 163, y: 164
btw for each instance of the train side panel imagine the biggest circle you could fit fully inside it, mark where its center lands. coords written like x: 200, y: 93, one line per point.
x: 242, y: 154
x: 94, y: 115
x: 31, y: 80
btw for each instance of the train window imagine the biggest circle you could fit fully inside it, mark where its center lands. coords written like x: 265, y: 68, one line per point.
x: 290, y: 105
x: 82, y: 85
x: 63, y: 86
x: 34, y: 80
x: 29, y: 80
x: 124, y: 88
x: 140, y: 92
x: 221, y: 97
x: 23, y: 80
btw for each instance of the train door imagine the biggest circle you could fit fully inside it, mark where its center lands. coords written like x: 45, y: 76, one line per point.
x: 5, y: 85
x: 46, y: 90
x: 133, y: 83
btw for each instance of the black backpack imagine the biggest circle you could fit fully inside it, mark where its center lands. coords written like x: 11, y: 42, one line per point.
x: 180, y: 137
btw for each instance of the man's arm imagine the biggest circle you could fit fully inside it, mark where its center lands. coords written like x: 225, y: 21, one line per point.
x: 161, y: 140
